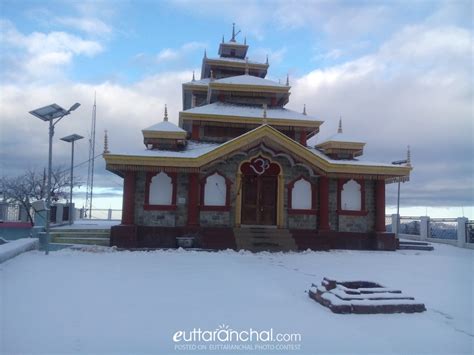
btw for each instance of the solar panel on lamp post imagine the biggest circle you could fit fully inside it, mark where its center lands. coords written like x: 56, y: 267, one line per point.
x: 71, y: 139
x: 53, y: 114
x: 398, y: 162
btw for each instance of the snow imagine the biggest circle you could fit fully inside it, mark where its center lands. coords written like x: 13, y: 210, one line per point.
x: 225, y: 109
x: 89, y: 224
x: 201, y: 82
x: 165, y: 126
x: 340, y: 137
x: 15, y: 247
x: 192, y: 150
x: 249, y: 80
x: 133, y: 302
x: 232, y: 59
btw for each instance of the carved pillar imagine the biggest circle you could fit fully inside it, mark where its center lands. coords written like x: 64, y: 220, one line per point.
x: 193, y: 202
x: 303, y: 138
x: 380, y: 206
x: 128, y: 207
x: 324, y: 203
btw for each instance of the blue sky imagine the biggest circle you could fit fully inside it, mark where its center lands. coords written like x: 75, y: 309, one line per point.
x: 398, y: 72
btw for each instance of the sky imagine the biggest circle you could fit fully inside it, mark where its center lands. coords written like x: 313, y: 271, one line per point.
x: 399, y: 73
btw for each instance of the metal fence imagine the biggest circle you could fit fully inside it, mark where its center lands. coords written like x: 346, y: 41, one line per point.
x: 409, y: 225
x: 444, y: 228
x: 100, y: 213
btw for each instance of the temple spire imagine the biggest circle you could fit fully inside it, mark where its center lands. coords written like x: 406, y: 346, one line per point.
x: 106, y: 143
x: 245, y: 40
x: 304, y: 109
x: 165, y: 118
x: 222, y: 38
x: 205, y: 53
x: 266, y: 62
x: 233, y: 32
x: 287, y: 80
x: 194, y: 79
x: 339, y: 129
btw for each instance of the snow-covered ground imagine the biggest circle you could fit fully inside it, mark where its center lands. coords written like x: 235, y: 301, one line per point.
x: 134, y: 302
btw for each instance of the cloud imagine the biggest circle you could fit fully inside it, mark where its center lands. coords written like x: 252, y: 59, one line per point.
x: 415, y: 89
x: 92, y: 26
x: 170, y: 54
x: 38, y: 54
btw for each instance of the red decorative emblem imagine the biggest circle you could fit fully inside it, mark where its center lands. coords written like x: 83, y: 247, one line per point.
x: 260, y: 166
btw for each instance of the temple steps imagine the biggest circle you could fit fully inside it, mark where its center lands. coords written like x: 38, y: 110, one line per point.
x: 257, y: 239
x: 409, y: 245
x: 81, y: 236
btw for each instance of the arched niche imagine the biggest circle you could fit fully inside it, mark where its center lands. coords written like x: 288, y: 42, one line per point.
x: 351, y: 196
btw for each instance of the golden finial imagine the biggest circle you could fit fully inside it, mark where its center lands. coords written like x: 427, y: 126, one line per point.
x: 166, y: 114
x: 339, y: 129
x: 304, y: 109
x: 287, y: 80
x: 408, y: 156
x: 246, y: 66
x: 106, y: 143
x: 264, y: 121
x: 193, y: 77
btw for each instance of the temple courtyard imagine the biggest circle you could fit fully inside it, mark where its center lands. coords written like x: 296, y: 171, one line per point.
x: 106, y: 301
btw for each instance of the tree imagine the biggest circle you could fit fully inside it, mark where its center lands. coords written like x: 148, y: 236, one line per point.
x: 32, y: 186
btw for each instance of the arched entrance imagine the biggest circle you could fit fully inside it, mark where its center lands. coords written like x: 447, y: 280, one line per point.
x: 260, y: 192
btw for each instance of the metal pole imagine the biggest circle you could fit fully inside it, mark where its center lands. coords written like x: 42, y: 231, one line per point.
x: 48, y: 195
x: 398, y: 209
x: 72, y: 178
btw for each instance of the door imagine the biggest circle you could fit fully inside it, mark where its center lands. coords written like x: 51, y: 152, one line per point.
x: 259, y: 197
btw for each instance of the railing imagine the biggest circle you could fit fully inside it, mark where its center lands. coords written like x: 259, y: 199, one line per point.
x: 100, y: 213
x: 444, y: 228
x: 410, y: 225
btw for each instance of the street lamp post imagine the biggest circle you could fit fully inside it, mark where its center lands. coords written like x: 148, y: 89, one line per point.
x: 51, y: 113
x: 71, y: 139
x: 399, y: 162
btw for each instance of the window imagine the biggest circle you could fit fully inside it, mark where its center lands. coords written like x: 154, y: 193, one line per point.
x: 215, y: 190
x: 351, y: 196
x: 160, y: 191
x: 301, y: 195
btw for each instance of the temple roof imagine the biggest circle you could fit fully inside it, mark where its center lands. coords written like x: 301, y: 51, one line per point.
x: 225, y: 109
x: 165, y: 126
x: 249, y: 80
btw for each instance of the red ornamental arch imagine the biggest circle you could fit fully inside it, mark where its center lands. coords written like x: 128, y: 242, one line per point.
x: 260, y: 166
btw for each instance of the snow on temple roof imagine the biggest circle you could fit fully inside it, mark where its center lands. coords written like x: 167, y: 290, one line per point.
x: 165, y: 126
x: 248, y: 80
x: 193, y: 149
x: 202, y: 82
x: 340, y: 137
x: 224, y: 109
x: 239, y: 60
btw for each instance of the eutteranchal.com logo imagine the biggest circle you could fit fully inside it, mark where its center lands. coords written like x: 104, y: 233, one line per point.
x: 225, y: 338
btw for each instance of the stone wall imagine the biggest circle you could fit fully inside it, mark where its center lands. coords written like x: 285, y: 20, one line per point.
x: 215, y: 219
x: 361, y: 223
x: 175, y: 218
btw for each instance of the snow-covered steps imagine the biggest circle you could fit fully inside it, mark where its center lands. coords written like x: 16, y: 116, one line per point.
x: 264, y: 239
x: 81, y: 236
x: 410, y: 245
x: 362, y: 297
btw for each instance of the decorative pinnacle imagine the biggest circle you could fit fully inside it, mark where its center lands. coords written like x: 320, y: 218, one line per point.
x: 264, y: 114
x: 166, y: 114
x: 205, y: 53
x: 287, y: 80
x: 106, y: 143
x: 408, y: 156
x: 222, y: 38
x: 339, y: 129
x: 246, y: 66
x: 193, y: 77
x: 266, y: 62
x: 233, y: 32
x: 245, y: 40
x: 304, y: 109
